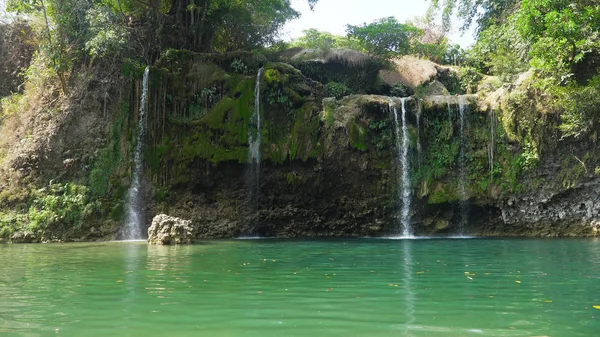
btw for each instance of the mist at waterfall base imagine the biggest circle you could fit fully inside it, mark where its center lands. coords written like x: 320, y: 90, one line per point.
x: 132, y: 229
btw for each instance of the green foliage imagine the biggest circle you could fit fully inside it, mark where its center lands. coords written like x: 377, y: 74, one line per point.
x: 51, y: 211
x: 469, y: 79
x: 357, y: 134
x: 431, y: 43
x: 337, y: 90
x: 485, y: 12
x: 63, y: 30
x: 328, y: 116
x: 110, y: 157
x: 500, y: 51
x: 59, y: 205
x: 454, y: 55
x: 562, y: 33
x: 580, y: 106
x: 324, y: 41
x: 233, y: 25
x: 107, y: 36
x: 239, y: 67
x: 384, y: 38
x: 400, y: 90
x: 381, y: 135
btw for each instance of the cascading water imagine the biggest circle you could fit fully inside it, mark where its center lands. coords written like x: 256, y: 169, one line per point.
x: 402, y: 144
x: 492, y: 145
x: 133, y: 223
x: 464, y: 207
x: 254, y: 140
x: 419, y: 149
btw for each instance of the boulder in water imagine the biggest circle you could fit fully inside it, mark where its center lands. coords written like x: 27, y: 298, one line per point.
x: 166, y: 230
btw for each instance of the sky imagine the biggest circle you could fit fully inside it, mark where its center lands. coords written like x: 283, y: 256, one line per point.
x: 333, y: 15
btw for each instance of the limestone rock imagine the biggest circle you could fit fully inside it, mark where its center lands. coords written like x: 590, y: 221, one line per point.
x: 166, y: 230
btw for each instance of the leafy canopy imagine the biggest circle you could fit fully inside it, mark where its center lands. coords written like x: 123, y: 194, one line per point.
x: 316, y: 39
x: 384, y: 38
x: 562, y: 33
x: 485, y: 12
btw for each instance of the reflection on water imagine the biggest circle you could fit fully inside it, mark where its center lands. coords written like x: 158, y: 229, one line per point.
x: 303, y: 288
x: 408, y: 287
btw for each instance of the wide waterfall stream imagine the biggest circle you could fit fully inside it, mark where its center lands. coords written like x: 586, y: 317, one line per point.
x: 402, y: 147
x: 134, y: 217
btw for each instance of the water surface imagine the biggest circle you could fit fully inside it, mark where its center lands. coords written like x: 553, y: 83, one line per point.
x: 473, y: 287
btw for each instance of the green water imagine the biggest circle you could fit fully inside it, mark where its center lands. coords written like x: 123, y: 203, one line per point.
x: 463, y: 287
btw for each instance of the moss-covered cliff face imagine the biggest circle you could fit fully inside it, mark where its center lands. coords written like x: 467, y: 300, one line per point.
x: 329, y: 166
x: 321, y: 174
x: 488, y: 164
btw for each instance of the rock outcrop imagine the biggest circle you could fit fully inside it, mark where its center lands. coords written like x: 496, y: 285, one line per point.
x: 167, y: 230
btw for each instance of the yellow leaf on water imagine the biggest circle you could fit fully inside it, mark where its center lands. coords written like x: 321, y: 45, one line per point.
x: 518, y: 281
x: 597, y: 307
x: 548, y: 301
x: 119, y: 281
x: 420, y: 272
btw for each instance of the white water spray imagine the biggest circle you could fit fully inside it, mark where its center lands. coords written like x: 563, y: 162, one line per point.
x: 133, y: 222
x: 402, y: 144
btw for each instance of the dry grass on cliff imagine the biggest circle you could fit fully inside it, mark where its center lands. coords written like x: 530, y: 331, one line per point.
x: 410, y: 71
x: 27, y: 119
x: 349, y: 57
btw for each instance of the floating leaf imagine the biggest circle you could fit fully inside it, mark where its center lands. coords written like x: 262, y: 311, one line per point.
x: 548, y: 301
x: 597, y: 307
x: 518, y: 282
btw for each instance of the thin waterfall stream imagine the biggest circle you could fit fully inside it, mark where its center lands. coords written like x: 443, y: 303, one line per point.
x: 133, y: 222
x: 462, y: 179
x: 492, y: 145
x: 255, y: 139
x: 404, y: 184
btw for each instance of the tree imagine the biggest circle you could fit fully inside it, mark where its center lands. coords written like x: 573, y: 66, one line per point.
x: 563, y: 34
x: 432, y: 43
x: 500, y: 51
x: 64, y: 27
x: 384, y: 38
x: 485, y: 12
x: 17, y: 44
x: 315, y: 39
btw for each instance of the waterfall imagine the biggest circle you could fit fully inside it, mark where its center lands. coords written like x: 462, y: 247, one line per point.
x: 419, y: 149
x: 254, y: 136
x: 492, y: 146
x: 402, y: 144
x: 462, y: 179
x: 449, y: 113
x: 133, y: 223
